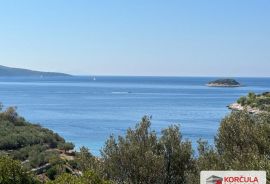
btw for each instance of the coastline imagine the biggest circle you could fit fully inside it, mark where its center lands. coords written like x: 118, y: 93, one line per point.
x: 238, y: 107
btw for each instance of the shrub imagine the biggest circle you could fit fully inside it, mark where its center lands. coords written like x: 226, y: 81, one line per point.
x: 11, y: 172
x: 141, y: 157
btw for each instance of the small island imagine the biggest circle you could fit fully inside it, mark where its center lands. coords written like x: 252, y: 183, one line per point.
x: 224, y: 83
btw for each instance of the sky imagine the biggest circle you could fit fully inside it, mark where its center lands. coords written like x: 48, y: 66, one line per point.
x: 137, y: 37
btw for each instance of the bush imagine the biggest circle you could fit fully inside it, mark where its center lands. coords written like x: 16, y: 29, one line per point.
x: 141, y: 157
x: 11, y: 172
x: 88, y: 177
x: 66, y: 146
x: 242, y: 100
x: 86, y: 161
x: 51, y: 173
x: 243, y: 142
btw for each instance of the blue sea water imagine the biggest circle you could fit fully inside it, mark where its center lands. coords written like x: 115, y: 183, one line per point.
x: 86, y: 111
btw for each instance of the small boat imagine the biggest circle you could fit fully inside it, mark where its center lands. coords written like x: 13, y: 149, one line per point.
x: 94, y: 78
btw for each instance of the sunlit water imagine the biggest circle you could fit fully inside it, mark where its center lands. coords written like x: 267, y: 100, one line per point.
x: 87, y: 111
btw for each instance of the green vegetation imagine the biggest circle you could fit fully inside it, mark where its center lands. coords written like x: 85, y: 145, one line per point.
x: 242, y: 143
x: 12, y: 172
x: 141, y: 156
x: 16, y: 133
x: 66, y: 146
x: 224, y: 83
x: 260, y: 101
x: 88, y: 177
x: 35, y: 147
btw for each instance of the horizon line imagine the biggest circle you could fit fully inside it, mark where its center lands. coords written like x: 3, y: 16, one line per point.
x: 132, y: 75
x: 191, y: 76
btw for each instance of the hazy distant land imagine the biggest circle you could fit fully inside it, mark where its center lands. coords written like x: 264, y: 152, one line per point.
x: 18, y: 72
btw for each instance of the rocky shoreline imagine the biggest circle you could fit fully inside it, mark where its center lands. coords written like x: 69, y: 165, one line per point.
x: 239, y: 107
x: 221, y: 85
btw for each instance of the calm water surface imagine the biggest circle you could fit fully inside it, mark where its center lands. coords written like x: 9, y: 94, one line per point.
x: 87, y: 111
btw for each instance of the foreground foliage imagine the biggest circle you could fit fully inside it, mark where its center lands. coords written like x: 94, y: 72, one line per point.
x: 12, y: 172
x: 242, y: 143
x: 144, y: 157
x: 31, y: 144
x: 88, y: 177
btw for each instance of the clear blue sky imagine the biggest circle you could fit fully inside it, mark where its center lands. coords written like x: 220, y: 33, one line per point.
x: 139, y: 37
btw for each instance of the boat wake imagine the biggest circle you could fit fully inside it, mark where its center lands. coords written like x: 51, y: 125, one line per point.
x: 121, y: 92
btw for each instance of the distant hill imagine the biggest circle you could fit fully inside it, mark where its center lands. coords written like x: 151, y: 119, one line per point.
x: 18, y: 72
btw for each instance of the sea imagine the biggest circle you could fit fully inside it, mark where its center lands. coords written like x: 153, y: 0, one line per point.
x: 86, y: 110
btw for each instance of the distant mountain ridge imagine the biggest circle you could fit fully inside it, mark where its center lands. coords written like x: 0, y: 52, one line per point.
x: 19, y: 72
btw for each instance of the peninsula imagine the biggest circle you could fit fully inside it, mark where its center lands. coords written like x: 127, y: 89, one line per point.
x: 18, y: 72
x: 224, y: 83
x: 253, y: 103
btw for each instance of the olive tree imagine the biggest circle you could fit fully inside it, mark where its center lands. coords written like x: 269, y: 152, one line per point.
x: 143, y: 157
x: 11, y: 172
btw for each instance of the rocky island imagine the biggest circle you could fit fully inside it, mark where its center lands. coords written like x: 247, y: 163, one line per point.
x: 224, y: 83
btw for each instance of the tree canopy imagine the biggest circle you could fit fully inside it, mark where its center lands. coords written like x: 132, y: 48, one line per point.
x: 140, y: 156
